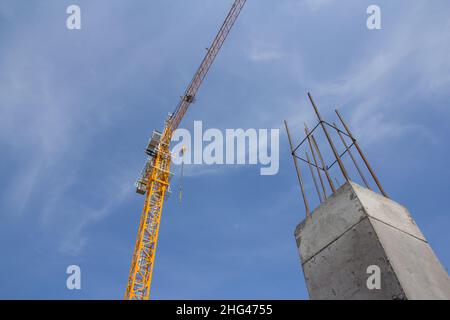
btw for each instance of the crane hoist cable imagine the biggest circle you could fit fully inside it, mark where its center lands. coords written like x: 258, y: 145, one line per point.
x: 183, y: 151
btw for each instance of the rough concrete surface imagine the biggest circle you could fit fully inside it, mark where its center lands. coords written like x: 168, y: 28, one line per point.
x: 357, y: 228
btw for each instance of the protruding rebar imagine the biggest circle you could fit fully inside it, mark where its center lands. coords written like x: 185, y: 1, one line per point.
x: 362, y: 155
x: 315, y: 162
x: 313, y: 177
x: 324, y: 166
x: 336, y: 155
x: 353, y: 158
x: 297, y: 168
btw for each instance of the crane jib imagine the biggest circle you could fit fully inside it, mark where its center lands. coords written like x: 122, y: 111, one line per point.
x: 208, y: 60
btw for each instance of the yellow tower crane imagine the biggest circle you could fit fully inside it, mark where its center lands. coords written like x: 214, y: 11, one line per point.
x: 155, y: 177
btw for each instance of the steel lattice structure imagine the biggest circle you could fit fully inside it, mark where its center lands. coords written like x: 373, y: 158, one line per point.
x: 156, y: 174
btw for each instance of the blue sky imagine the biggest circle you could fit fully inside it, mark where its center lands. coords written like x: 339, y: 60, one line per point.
x: 77, y: 108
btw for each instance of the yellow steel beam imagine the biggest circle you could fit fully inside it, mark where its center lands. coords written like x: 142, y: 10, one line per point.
x: 142, y: 264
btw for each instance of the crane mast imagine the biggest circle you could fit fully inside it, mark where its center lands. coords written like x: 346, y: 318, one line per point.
x: 155, y: 177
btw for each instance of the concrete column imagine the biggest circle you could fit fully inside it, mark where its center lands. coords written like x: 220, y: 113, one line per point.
x: 356, y: 232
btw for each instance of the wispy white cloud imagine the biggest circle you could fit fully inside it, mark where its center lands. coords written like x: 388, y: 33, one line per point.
x: 316, y: 5
x: 265, y: 55
x: 116, y: 189
x: 371, y: 86
x: 49, y: 124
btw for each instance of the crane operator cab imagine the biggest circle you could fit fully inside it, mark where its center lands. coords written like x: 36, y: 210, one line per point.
x: 153, y: 143
x: 151, y: 150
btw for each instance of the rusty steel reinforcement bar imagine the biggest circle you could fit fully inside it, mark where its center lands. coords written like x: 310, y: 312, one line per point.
x: 353, y: 158
x: 322, y: 161
x: 362, y: 155
x: 313, y: 177
x: 299, y: 174
x: 336, y: 155
x: 337, y: 182
x: 315, y: 162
